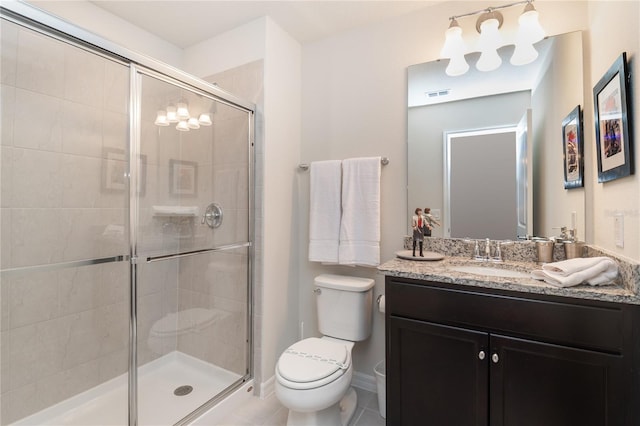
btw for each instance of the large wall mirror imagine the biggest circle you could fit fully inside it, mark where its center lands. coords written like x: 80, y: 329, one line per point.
x: 540, y: 95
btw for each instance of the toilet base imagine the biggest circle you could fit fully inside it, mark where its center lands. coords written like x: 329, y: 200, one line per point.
x: 338, y: 414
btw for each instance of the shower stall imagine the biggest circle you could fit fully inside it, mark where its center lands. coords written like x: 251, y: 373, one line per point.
x: 126, y: 228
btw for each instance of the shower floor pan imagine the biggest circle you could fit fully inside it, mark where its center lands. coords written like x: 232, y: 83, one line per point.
x: 106, y: 404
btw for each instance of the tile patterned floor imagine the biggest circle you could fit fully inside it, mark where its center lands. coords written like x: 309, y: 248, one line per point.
x: 269, y: 412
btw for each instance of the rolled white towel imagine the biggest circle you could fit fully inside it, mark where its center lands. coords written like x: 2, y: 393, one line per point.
x: 572, y: 272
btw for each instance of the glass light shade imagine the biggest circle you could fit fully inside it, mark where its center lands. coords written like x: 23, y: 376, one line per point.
x: 490, y: 38
x: 204, y: 119
x: 183, y: 111
x: 161, y: 119
x: 489, y: 61
x: 529, y: 29
x: 193, y: 123
x: 182, y: 126
x: 172, y: 115
x: 457, y: 66
x: 454, y: 45
x: 523, y: 54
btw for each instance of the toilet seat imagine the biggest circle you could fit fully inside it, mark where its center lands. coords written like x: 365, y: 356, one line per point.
x: 311, y: 363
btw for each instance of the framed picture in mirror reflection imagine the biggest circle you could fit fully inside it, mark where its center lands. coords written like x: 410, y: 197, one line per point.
x: 572, y: 145
x: 115, y: 171
x: 613, y: 138
x: 183, y: 178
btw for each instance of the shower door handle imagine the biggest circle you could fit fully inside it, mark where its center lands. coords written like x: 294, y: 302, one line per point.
x: 213, y: 215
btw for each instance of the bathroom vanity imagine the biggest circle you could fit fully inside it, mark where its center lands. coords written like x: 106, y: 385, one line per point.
x: 466, y: 349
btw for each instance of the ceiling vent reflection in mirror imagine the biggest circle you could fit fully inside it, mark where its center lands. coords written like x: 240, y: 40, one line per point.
x: 490, y: 40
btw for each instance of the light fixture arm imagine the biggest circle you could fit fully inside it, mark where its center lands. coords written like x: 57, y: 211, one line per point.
x: 490, y: 10
x: 490, y: 40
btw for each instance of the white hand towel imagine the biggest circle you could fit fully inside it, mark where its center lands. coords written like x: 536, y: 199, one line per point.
x: 572, y: 272
x: 325, y: 210
x: 360, y: 225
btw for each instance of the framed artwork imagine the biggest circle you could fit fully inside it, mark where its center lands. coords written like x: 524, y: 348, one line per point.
x: 572, y: 146
x: 115, y: 169
x: 613, y: 138
x: 183, y: 178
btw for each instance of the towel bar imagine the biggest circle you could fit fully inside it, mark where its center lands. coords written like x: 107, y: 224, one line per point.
x: 305, y: 166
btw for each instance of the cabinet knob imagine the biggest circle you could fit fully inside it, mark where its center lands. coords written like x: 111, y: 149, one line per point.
x: 481, y: 355
x: 495, y: 358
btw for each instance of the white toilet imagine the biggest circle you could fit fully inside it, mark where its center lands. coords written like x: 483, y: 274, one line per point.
x: 313, y: 376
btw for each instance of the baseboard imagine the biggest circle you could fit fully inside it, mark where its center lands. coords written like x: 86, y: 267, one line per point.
x: 364, y: 382
x: 267, y: 388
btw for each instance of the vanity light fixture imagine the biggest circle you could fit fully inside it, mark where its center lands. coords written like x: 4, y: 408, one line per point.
x: 490, y: 40
x: 179, y: 114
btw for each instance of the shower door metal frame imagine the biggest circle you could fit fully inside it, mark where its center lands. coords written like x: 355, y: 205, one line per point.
x: 136, y: 91
x: 42, y: 22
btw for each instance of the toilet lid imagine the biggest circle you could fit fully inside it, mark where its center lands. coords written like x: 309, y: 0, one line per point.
x: 312, y: 359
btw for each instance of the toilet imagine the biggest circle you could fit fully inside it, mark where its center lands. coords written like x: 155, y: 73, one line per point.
x: 313, y: 376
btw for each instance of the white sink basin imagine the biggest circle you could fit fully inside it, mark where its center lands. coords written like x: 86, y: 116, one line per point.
x: 490, y: 271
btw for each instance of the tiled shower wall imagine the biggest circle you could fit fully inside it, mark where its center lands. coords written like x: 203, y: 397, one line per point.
x: 64, y: 330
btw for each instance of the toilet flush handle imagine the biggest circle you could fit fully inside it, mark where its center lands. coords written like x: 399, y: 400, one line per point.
x: 317, y: 291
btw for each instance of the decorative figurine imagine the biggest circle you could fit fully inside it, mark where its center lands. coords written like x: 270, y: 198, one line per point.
x: 417, y: 223
x: 429, y: 221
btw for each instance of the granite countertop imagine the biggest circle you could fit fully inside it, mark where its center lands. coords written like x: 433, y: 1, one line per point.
x: 441, y: 271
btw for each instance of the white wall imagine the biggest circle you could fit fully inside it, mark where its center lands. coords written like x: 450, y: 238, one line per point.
x: 85, y: 15
x: 236, y: 47
x: 607, y: 41
x: 281, y: 157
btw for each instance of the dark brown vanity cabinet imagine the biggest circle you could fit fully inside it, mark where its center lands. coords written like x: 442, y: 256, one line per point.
x: 482, y: 357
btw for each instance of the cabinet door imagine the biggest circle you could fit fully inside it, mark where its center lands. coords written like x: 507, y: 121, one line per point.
x: 435, y: 374
x: 533, y: 384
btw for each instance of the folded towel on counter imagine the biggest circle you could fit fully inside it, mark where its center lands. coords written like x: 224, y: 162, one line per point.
x: 572, y: 272
x: 325, y: 210
x: 360, y: 225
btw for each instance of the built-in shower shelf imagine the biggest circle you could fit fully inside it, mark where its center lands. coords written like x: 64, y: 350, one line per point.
x: 175, y: 211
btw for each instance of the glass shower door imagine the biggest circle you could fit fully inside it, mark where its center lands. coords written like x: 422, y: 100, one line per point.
x: 64, y: 209
x: 193, y: 248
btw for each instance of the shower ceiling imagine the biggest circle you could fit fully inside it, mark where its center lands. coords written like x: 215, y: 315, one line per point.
x: 185, y: 23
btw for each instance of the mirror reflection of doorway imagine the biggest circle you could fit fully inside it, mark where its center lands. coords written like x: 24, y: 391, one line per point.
x: 481, y: 194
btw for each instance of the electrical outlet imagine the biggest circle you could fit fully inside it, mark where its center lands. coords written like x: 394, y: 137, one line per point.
x: 618, y: 229
x: 436, y: 214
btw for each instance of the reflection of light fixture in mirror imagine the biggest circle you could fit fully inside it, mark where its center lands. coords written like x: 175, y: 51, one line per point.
x: 161, y: 119
x: 193, y: 123
x: 180, y: 114
x: 183, y: 111
x: 182, y: 126
x: 172, y: 115
x: 205, y: 119
x: 488, y: 25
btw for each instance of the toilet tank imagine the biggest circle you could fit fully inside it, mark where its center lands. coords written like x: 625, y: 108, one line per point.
x: 344, y: 306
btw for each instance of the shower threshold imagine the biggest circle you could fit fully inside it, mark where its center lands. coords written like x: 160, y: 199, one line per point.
x: 106, y: 404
